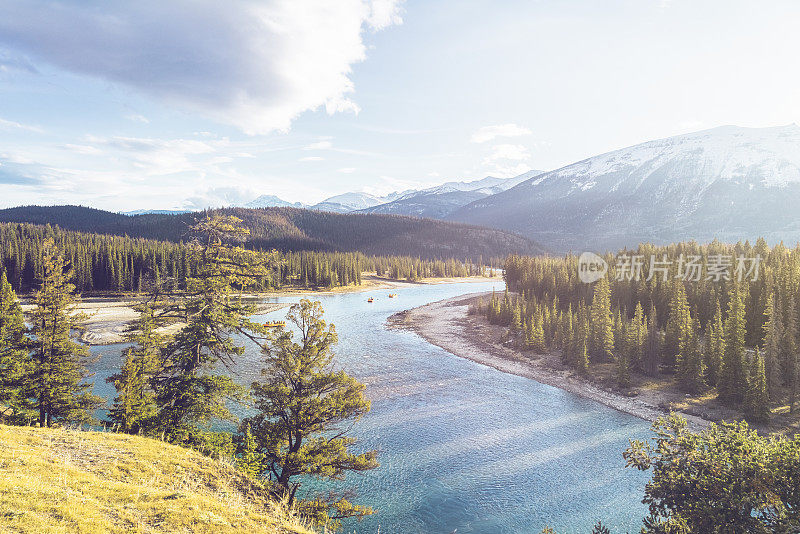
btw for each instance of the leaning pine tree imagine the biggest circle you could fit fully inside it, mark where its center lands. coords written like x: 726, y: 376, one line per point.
x: 191, y: 388
x: 56, y: 382
x: 305, y: 410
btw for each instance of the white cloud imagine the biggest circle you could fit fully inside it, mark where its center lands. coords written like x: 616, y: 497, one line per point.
x: 12, y: 125
x: 319, y: 145
x: 311, y: 158
x: 218, y: 197
x: 347, y: 170
x: 10, y: 63
x: 254, y: 64
x: 507, y: 152
x: 488, y: 133
x: 135, y: 117
x: 83, y: 149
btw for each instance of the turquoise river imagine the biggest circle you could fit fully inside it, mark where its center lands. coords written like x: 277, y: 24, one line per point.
x: 464, y: 448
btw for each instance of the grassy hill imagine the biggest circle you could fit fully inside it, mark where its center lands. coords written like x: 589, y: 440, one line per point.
x: 70, y: 481
x: 292, y: 229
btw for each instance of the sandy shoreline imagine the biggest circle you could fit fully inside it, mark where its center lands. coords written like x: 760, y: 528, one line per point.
x: 108, y: 316
x: 448, y: 325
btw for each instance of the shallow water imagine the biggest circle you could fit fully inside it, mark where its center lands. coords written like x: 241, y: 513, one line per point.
x: 462, y: 446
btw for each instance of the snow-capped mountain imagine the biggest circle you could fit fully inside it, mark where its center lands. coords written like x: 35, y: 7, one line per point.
x: 270, y: 201
x: 729, y: 183
x: 440, y: 201
x: 347, y: 202
x: 489, y: 185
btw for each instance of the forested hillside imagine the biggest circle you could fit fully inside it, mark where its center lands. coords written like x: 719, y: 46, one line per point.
x: 118, y: 263
x: 291, y: 229
x: 722, y: 320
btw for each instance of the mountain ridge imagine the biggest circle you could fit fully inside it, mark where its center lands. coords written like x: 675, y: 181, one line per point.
x: 729, y: 183
x: 438, y: 202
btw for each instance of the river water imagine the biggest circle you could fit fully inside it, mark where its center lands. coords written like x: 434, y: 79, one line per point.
x: 463, y: 447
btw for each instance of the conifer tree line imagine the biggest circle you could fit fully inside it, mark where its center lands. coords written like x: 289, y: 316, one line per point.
x: 43, y: 375
x: 173, y: 386
x: 737, y: 336
x: 114, y: 264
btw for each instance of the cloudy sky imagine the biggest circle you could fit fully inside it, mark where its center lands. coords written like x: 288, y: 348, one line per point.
x: 184, y: 104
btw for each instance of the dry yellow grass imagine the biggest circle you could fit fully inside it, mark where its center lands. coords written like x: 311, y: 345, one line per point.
x: 63, y: 481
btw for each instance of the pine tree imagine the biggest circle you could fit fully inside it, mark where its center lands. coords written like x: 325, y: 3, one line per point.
x: 623, y: 370
x: 57, y: 379
x: 190, y: 388
x: 250, y: 460
x: 715, y: 349
x: 135, y: 409
x: 789, y: 349
x: 582, y: 364
x: 652, y: 350
x: 601, y: 327
x: 620, y: 334
x: 733, y: 375
x: 637, y: 334
x: 535, y: 338
x: 516, y: 320
x: 14, y: 363
x: 757, y: 399
x: 305, y: 409
x: 690, y: 362
x: 677, y: 325
x: 568, y: 339
x: 773, y: 334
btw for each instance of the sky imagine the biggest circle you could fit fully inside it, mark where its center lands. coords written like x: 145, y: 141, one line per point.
x: 177, y: 104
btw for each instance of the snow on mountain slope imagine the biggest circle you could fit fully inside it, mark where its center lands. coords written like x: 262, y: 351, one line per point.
x: 439, y: 201
x: 727, y: 152
x: 270, y: 201
x: 347, y: 202
x: 729, y: 183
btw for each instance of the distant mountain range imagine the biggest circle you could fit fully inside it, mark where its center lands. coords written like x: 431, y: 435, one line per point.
x: 440, y: 201
x: 728, y: 183
x: 436, y: 202
x: 271, y: 201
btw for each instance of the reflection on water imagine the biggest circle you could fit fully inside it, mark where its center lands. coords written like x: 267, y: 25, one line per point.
x: 463, y: 446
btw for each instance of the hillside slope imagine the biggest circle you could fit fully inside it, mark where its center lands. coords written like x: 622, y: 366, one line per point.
x: 729, y: 183
x: 70, y: 481
x: 292, y: 229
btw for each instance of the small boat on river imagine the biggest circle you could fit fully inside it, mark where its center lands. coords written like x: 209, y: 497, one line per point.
x: 274, y: 324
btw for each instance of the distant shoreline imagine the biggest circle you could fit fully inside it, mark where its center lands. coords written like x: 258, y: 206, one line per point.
x: 109, y: 316
x: 447, y: 324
